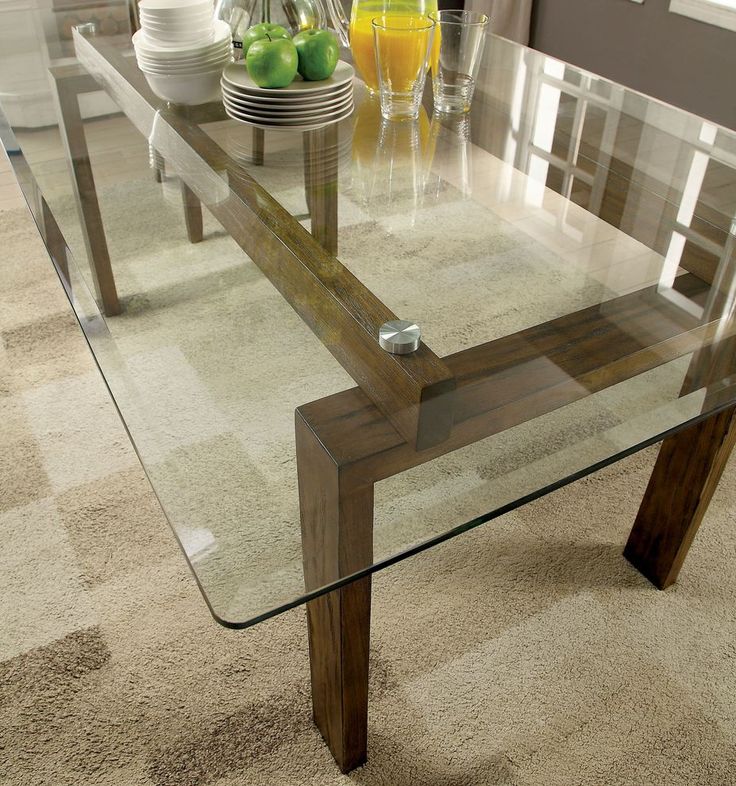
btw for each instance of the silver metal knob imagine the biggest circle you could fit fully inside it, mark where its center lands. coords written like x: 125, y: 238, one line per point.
x: 399, y: 337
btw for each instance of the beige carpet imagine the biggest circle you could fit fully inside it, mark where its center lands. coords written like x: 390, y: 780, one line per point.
x: 526, y: 652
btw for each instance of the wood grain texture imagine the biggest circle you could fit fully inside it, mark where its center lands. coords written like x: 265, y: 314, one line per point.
x: 685, y: 476
x: 68, y: 84
x: 511, y: 380
x: 336, y: 306
x: 337, y: 541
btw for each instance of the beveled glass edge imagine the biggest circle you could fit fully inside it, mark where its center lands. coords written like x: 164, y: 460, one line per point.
x: 19, y: 158
x: 95, y: 319
x: 475, y: 522
x: 409, y: 551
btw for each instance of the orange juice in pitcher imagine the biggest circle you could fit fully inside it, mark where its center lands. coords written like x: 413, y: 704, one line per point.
x: 357, y: 33
x: 361, y: 31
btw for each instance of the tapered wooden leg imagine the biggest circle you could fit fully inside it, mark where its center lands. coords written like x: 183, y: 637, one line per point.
x: 192, y: 213
x: 93, y: 232
x: 686, y: 474
x: 337, y: 535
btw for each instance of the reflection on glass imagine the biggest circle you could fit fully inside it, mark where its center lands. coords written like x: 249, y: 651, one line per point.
x: 389, y: 161
x: 450, y: 159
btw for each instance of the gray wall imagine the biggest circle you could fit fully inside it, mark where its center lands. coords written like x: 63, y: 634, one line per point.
x: 677, y: 59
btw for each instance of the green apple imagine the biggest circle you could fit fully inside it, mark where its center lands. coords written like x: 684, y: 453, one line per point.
x: 318, y: 53
x: 272, y: 62
x: 257, y: 32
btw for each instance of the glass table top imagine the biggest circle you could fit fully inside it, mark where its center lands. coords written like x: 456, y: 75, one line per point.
x: 567, y: 250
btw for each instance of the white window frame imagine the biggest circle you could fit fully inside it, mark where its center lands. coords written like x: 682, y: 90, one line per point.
x: 713, y: 12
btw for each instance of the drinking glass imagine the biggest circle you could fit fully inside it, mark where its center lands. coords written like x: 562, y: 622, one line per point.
x: 403, y: 45
x: 459, y: 40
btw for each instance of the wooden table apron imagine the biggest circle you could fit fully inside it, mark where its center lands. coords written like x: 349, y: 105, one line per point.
x: 347, y: 442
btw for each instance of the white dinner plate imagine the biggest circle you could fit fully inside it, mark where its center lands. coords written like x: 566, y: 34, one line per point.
x: 303, y: 125
x: 303, y: 115
x: 294, y: 98
x: 237, y: 77
x: 262, y: 105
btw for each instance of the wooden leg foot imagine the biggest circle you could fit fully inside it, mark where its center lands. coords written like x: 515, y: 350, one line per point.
x: 339, y: 636
x: 685, y: 476
x: 337, y: 541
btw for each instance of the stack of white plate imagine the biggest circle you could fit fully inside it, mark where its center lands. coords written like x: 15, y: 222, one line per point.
x: 182, y: 49
x: 299, y: 107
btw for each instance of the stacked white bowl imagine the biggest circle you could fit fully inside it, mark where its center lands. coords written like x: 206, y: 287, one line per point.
x: 182, y: 49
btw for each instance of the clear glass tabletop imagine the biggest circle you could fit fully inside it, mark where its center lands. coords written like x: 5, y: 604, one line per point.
x: 567, y: 249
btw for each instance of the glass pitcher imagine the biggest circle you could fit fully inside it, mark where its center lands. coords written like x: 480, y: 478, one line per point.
x: 358, y: 32
x: 294, y: 15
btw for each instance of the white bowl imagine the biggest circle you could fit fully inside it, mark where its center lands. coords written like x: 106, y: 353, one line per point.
x: 144, y: 45
x: 180, y: 42
x: 177, y: 14
x: 200, y: 27
x: 179, y: 26
x: 190, y: 89
x: 177, y: 23
x: 189, y: 62
x: 184, y: 61
x: 193, y: 68
x: 152, y: 48
x: 178, y: 65
x: 179, y: 20
x: 169, y: 6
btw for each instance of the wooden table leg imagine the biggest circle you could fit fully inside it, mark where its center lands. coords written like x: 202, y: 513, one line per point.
x: 259, y: 146
x: 337, y: 540
x: 686, y: 474
x: 192, y: 213
x: 90, y: 218
x: 320, y: 180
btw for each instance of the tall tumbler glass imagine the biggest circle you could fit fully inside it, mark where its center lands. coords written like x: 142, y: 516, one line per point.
x: 403, y: 45
x: 459, y: 40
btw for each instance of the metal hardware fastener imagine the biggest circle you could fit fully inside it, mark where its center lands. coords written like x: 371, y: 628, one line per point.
x: 399, y: 336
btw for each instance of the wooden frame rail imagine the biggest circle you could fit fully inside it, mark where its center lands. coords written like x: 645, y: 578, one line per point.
x: 415, y: 392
